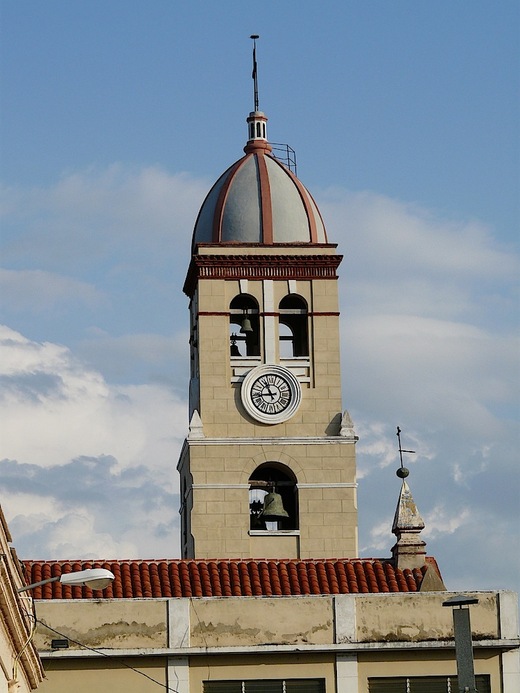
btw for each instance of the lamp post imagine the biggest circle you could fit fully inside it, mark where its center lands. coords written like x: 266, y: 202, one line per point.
x: 95, y: 578
x: 463, y: 642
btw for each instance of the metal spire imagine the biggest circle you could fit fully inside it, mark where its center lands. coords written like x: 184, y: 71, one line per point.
x: 402, y: 472
x: 255, y: 71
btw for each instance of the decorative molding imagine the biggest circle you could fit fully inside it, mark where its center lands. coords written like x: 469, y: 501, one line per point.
x: 345, y: 484
x: 288, y: 267
x: 278, y: 440
x: 274, y: 532
x: 220, y: 486
x: 340, y: 484
x: 262, y: 314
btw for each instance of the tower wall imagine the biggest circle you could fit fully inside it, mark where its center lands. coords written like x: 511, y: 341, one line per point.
x: 228, y: 444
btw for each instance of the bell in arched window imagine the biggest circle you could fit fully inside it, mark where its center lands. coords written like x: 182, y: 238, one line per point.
x: 273, y: 508
x: 235, y: 351
x: 246, y: 326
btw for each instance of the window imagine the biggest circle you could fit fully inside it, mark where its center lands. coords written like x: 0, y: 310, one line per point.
x: 424, y: 684
x: 293, y: 327
x: 272, y: 489
x: 244, y: 326
x: 266, y: 686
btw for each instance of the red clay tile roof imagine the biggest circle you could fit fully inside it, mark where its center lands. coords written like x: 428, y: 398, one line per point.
x: 229, y: 578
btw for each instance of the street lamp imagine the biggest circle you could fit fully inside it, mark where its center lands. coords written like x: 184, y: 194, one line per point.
x: 463, y: 643
x: 95, y: 578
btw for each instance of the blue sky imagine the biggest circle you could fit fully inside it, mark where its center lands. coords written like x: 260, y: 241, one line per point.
x: 116, y: 119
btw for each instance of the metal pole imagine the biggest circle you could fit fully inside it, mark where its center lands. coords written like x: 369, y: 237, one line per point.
x: 464, y: 651
x: 38, y: 584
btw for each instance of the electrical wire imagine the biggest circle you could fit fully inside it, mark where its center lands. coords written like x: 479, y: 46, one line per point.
x: 104, y: 654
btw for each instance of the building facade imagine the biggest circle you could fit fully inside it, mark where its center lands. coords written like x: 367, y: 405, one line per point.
x: 20, y: 667
x: 269, y: 595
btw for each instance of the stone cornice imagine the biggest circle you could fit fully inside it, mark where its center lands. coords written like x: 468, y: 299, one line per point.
x: 330, y: 440
x: 398, y: 645
x: 258, y: 267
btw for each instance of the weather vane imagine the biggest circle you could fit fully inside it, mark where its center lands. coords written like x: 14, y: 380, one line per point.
x: 402, y: 472
x: 254, y: 75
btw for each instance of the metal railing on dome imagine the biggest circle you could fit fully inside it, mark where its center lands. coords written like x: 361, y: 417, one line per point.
x: 285, y: 154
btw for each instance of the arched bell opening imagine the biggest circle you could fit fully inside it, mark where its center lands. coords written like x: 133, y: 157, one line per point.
x: 273, y: 498
x: 293, y: 331
x: 244, y: 326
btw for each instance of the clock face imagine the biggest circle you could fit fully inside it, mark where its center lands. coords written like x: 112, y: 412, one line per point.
x: 270, y: 394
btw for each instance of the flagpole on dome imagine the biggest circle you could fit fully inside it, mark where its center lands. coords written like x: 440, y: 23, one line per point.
x: 256, y: 121
x: 255, y: 71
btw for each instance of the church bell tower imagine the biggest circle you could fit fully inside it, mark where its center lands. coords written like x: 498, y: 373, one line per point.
x: 268, y: 468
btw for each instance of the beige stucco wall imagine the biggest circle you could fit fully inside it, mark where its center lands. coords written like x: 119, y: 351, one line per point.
x: 117, y: 623
x: 104, y: 675
x: 249, y: 621
x: 244, y: 637
x: 240, y: 622
x: 420, y: 617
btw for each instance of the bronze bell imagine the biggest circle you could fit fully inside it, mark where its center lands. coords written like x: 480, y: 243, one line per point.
x: 273, y: 508
x: 235, y: 351
x: 246, y: 326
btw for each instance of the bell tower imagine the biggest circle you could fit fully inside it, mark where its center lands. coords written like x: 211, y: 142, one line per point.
x: 268, y: 468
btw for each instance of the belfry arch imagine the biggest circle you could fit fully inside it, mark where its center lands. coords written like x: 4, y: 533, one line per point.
x: 293, y: 326
x: 275, y: 481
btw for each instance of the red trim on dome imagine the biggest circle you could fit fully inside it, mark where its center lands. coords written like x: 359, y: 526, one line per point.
x: 266, y: 204
x: 258, y: 146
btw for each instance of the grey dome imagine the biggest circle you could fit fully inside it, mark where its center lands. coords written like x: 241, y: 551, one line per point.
x: 259, y: 200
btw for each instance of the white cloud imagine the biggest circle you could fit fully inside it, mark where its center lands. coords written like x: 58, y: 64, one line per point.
x: 445, y: 371
x: 403, y: 260
x: 117, y: 356
x: 441, y: 520
x: 401, y: 238
x: 95, y: 462
x: 72, y: 410
x: 35, y: 290
x: 118, y: 216
x: 90, y: 508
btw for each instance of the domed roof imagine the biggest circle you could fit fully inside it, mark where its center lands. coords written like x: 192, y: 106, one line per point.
x: 259, y: 200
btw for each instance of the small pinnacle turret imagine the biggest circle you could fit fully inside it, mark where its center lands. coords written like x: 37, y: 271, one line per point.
x: 409, y: 550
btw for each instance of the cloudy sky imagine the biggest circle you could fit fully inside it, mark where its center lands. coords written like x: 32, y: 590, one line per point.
x: 118, y: 117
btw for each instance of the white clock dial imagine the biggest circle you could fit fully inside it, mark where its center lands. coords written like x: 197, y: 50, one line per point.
x: 271, y: 394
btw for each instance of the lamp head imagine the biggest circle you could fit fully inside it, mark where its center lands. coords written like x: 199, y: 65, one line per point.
x: 95, y: 578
